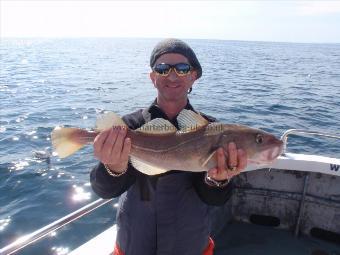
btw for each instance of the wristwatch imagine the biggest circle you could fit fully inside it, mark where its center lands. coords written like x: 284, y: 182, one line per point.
x: 213, y: 183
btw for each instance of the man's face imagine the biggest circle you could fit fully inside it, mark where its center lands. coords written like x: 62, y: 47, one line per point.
x: 172, y: 87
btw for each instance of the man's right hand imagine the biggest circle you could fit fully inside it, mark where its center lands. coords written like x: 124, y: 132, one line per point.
x: 112, y: 148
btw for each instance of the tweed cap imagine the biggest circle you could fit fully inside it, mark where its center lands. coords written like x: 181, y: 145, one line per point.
x: 172, y: 45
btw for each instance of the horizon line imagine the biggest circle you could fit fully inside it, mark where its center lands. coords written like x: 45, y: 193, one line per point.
x: 157, y: 38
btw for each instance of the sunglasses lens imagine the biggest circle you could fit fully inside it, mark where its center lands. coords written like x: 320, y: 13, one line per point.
x: 182, y: 68
x: 162, y: 69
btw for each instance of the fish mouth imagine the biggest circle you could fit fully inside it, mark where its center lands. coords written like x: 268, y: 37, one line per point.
x: 275, y: 152
x: 267, y: 156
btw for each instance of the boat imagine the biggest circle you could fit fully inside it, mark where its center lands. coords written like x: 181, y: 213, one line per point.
x: 289, y: 207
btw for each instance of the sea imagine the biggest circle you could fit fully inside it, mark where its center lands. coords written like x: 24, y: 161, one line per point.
x: 58, y: 81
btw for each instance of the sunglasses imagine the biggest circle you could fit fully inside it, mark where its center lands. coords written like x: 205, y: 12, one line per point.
x: 181, y: 69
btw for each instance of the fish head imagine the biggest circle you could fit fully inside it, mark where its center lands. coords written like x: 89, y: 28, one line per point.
x: 261, y: 147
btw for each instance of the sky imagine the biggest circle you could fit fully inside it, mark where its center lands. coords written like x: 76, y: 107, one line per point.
x: 285, y: 21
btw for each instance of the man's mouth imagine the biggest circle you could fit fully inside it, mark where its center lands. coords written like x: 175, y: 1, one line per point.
x: 173, y: 86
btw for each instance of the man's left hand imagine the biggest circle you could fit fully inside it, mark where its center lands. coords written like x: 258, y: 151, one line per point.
x: 230, y: 162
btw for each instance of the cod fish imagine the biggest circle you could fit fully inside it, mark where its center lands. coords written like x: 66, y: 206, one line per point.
x: 158, y: 147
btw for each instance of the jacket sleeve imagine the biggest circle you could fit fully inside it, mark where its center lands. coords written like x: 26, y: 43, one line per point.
x: 211, y: 195
x: 107, y: 186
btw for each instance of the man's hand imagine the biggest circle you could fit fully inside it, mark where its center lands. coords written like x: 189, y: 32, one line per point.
x: 112, y: 149
x: 229, y: 163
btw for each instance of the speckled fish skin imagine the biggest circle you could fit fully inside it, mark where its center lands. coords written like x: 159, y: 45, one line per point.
x: 189, y: 151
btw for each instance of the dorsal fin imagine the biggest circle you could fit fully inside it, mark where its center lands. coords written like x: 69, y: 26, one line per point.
x: 189, y: 121
x: 158, y: 126
x: 108, y: 120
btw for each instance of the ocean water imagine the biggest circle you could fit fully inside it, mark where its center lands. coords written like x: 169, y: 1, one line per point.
x: 50, y: 82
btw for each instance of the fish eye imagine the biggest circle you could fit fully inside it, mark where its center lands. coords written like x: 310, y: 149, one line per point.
x: 259, y: 139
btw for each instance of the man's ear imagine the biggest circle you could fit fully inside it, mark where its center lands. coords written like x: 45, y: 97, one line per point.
x: 193, y: 75
x: 153, y: 78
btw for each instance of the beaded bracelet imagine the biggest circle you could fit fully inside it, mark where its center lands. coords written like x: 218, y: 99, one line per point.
x: 110, y: 172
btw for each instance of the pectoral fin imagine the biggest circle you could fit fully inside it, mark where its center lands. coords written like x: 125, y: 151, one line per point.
x: 146, y: 168
x: 189, y: 121
x: 211, y: 161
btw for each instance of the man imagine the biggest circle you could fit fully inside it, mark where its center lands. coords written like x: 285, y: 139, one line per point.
x: 166, y: 213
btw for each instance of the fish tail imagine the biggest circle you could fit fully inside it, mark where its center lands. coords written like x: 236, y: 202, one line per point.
x: 67, y: 141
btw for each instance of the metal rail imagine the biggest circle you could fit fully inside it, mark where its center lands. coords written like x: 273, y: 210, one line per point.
x: 285, y: 135
x: 40, y: 233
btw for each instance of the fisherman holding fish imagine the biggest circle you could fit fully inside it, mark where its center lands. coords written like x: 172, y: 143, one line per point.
x: 167, y: 162
x: 165, y: 213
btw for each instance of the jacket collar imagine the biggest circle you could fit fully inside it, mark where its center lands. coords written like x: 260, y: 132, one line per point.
x: 157, y: 112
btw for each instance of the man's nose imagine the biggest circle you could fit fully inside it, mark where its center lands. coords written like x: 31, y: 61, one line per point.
x: 172, y: 75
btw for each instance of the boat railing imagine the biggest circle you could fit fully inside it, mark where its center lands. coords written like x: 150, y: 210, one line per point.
x: 285, y: 135
x: 50, y: 228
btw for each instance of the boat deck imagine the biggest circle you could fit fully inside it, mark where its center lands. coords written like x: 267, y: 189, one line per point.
x: 243, y: 238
